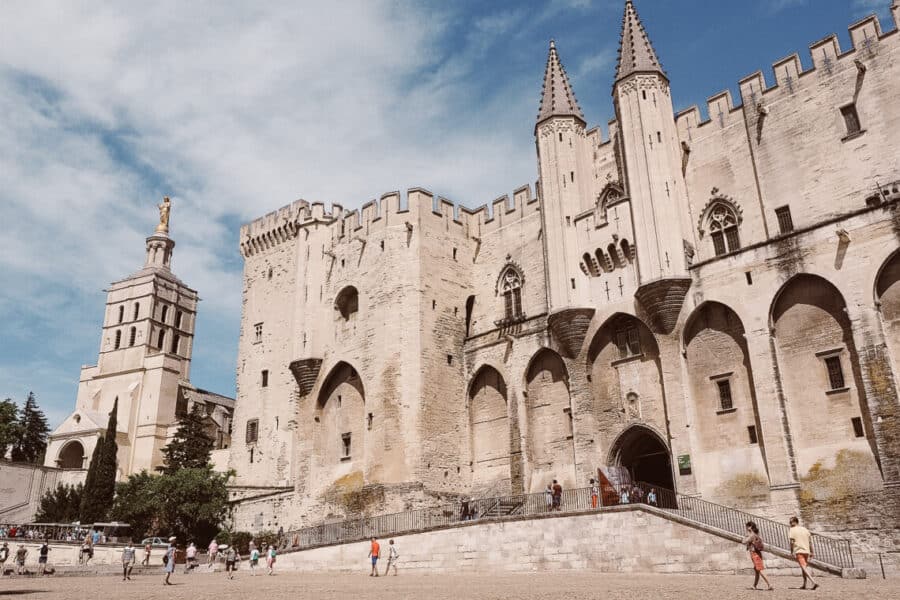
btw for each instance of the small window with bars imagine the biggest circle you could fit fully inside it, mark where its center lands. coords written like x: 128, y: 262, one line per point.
x: 725, y: 400
x: 252, y: 433
x: 835, y: 372
x: 785, y: 222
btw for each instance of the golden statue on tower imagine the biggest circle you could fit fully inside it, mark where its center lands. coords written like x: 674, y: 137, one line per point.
x: 164, y: 210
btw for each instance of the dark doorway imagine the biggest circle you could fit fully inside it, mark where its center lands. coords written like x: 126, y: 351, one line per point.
x: 646, y: 457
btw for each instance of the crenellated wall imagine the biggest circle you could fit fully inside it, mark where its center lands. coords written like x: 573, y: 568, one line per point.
x: 652, y: 313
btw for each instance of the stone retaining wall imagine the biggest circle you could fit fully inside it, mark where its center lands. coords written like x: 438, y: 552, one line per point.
x: 629, y: 540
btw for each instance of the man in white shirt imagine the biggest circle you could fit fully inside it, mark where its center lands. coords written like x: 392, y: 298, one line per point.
x: 801, y: 548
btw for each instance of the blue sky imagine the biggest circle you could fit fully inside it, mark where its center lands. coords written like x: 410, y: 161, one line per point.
x: 235, y: 109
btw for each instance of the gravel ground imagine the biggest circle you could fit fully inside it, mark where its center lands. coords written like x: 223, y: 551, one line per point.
x: 537, y: 586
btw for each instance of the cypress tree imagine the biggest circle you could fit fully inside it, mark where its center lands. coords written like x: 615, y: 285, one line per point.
x: 89, y: 510
x: 191, y: 446
x: 100, y: 488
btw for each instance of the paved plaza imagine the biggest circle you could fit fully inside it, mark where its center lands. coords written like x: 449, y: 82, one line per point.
x: 536, y: 586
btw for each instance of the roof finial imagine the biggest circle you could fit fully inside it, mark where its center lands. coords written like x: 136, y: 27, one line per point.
x: 636, y: 53
x: 557, y: 98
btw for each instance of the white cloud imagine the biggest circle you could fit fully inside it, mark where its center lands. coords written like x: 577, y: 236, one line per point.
x: 233, y: 109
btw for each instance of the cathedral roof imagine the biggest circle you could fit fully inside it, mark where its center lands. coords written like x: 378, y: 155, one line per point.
x: 557, y: 97
x: 636, y: 53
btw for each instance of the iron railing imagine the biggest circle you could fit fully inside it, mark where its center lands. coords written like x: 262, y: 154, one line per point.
x: 831, y: 551
x: 828, y: 550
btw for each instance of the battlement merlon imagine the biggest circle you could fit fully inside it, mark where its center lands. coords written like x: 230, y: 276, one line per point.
x: 285, y: 223
x: 827, y: 58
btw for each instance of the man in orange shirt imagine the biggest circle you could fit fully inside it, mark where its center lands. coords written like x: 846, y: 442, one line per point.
x: 374, y: 552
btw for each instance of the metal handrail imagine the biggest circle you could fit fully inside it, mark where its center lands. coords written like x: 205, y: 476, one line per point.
x: 829, y: 550
x: 832, y: 551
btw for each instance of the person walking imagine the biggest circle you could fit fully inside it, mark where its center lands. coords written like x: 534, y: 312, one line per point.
x: 374, y: 553
x: 595, y: 493
x: 21, y: 553
x: 211, y: 551
x: 557, y: 495
x: 393, y: 557
x: 231, y: 559
x: 148, y: 547
x: 4, y: 555
x: 254, y: 559
x: 801, y: 548
x: 190, y: 558
x: 43, y: 556
x: 754, y: 544
x: 169, y: 559
x: 271, y: 556
x: 128, y: 558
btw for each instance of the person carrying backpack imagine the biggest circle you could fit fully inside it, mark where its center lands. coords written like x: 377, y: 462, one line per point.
x: 754, y: 545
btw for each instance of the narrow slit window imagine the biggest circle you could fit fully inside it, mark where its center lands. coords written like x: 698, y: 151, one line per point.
x: 164, y: 313
x: 851, y: 119
x: 175, y: 340
x: 751, y: 433
x: 858, y: 427
x: 137, y: 311
x: 264, y: 379
x: 121, y: 313
x: 118, y: 340
x: 131, y: 336
x: 178, y: 315
x: 345, y: 445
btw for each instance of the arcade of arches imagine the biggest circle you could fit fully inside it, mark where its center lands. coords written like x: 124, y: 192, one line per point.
x: 623, y: 419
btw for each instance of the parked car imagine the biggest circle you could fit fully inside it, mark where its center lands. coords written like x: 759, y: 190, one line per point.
x: 155, y: 542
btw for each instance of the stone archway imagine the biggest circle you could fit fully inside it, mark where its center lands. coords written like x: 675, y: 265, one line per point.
x: 71, y: 456
x: 646, y: 456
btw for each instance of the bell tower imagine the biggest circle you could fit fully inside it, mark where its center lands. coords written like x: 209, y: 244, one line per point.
x: 654, y: 181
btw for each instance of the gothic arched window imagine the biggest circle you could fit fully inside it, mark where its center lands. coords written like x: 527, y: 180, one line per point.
x: 723, y: 229
x: 510, y: 286
x: 721, y: 218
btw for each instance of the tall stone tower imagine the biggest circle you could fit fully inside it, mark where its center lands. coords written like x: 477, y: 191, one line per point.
x: 564, y: 168
x: 653, y: 178
x: 145, y: 355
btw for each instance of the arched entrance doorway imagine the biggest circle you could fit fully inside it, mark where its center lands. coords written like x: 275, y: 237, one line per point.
x: 71, y: 456
x: 640, y: 450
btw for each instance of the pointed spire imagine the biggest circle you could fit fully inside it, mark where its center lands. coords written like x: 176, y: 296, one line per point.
x: 636, y: 53
x: 557, y: 97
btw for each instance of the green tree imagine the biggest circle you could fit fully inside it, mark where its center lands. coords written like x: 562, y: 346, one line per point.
x: 60, y: 505
x: 191, y: 446
x: 9, y: 425
x: 188, y: 503
x: 100, y: 483
x: 32, y: 433
x: 136, y: 504
x: 193, y: 503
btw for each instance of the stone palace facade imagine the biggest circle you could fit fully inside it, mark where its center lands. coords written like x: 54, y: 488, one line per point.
x: 712, y: 303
